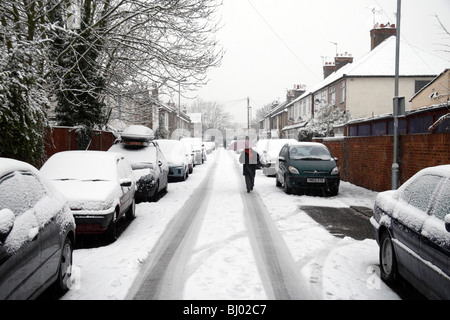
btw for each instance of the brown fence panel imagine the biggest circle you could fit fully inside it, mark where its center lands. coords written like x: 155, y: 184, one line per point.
x: 64, y: 138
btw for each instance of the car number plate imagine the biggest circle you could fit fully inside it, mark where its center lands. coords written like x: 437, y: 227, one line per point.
x: 315, y: 180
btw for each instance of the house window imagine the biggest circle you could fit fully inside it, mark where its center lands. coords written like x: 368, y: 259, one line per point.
x: 342, y: 100
x: 332, y: 91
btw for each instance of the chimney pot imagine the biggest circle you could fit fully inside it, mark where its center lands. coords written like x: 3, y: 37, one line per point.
x: 378, y: 35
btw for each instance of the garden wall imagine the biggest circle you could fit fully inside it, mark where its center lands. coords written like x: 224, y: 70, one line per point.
x: 367, y: 161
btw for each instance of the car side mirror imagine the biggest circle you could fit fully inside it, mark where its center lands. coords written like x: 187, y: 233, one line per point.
x: 335, y: 159
x: 447, y: 222
x: 282, y: 159
x: 7, y: 218
x: 125, y: 182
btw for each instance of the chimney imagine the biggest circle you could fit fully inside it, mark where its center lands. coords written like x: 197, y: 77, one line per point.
x: 328, y: 69
x: 341, y: 60
x: 293, y: 94
x: 381, y: 32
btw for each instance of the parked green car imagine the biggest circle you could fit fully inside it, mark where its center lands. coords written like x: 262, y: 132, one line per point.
x: 304, y: 166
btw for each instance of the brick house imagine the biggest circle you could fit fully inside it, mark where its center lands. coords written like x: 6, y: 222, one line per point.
x: 365, y: 86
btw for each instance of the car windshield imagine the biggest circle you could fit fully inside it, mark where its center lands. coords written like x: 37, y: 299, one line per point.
x: 80, y: 167
x: 309, y: 152
x: 136, y: 155
x: 172, y: 149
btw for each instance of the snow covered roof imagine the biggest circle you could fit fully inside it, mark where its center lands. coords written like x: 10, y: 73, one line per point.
x: 380, y: 62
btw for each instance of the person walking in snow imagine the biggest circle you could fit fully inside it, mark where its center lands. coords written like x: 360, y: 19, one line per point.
x: 250, y: 160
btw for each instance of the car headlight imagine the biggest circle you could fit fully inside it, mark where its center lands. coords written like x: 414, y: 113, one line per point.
x: 293, y: 170
x: 335, y: 170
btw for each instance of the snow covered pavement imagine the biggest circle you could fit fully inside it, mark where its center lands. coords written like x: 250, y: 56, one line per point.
x: 220, y: 256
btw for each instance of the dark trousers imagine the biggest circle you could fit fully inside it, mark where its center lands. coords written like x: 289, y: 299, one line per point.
x: 249, y: 171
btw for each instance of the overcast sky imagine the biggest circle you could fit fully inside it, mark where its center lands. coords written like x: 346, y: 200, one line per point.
x: 273, y: 45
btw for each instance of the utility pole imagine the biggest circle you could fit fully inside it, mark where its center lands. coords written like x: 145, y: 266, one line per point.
x: 395, y: 165
x: 179, y: 105
x: 248, y: 115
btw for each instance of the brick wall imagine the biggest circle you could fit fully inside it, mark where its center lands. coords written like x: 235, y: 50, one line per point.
x: 367, y: 161
x: 423, y: 150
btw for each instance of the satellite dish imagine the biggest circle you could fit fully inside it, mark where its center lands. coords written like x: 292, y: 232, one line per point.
x: 434, y: 95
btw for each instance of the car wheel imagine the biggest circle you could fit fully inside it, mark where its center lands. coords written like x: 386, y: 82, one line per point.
x: 65, y: 267
x: 286, y: 186
x: 153, y: 197
x: 388, y: 261
x: 131, y: 213
x: 111, y: 233
x: 333, y: 192
x: 277, y: 183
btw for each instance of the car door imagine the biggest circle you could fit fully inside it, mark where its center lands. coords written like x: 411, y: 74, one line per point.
x: 20, y: 276
x: 47, y: 209
x: 282, y: 163
x: 435, y: 244
x: 164, y: 167
x: 124, y: 171
x: 410, y: 216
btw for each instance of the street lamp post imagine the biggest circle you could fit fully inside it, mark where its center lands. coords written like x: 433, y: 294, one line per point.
x: 395, y: 165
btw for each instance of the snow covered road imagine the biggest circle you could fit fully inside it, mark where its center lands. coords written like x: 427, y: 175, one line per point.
x: 208, y: 239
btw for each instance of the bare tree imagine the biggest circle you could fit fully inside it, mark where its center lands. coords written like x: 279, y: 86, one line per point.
x: 140, y: 41
x: 213, y: 114
x: 446, y: 34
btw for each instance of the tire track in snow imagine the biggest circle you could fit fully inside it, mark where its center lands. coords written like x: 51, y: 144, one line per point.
x: 274, y: 261
x: 162, y: 273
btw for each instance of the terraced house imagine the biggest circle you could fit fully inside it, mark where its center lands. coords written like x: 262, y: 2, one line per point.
x: 364, y: 87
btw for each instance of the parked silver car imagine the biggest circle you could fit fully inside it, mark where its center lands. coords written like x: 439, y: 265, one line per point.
x: 99, y: 185
x: 177, y: 158
x: 37, y: 233
x: 150, y: 167
x: 198, y: 150
x: 269, y: 149
x: 412, y: 227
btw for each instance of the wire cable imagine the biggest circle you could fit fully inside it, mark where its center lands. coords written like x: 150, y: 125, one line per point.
x: 282, y: 41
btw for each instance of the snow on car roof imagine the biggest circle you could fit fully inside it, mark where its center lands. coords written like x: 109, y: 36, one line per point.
x: 8, y: 165
x: 81, y: 165
x: 138, y: 154
x: 442, y: 170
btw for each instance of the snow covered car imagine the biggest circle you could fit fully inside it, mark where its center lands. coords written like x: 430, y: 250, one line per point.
x: 177, y: 157
x: 198, y: 149
x: 99, y: 185
x: 307, y: 166
x: 412, y: 227
x: 150, y: 167
x: 37, y: 233
x: 190, y: 149
x: 269, y: 149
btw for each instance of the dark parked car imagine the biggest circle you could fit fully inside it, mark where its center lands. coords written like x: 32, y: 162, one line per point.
x: 37, y: 233
x: 307, y: 166
x: 412, y: 227
x: 99, y: 186
x: 150, y: 167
